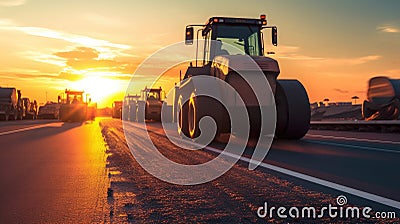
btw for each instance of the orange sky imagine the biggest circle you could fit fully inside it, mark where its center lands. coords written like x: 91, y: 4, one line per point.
x: 332, y: 47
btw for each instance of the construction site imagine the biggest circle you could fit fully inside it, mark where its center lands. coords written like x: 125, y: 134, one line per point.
x: 223, y: 126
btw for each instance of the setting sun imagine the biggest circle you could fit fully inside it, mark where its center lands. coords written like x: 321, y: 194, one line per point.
x: 100, y: 89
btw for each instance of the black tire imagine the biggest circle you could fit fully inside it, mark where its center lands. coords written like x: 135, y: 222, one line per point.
x: 183, y: 124
x: 140, y: 111
x: 194, y: 114
x: 367, y: 111
x: 293, y: 110
x: 63, y: 115
x: 201, y: 106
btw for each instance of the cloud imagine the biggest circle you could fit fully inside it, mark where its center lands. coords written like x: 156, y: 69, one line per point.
x: 28, y: 76
x: 85, y: 58
x: 388, y: 29
x: 81, y: 61
x: 73, y: 38
x: 59, y: 35
x: 341, y: 91
x: 6, y: 22
x: 43, y: 58
x: 10, y: 3
x: 70, y: 76
x: 362, y: 60
x: 79, y: 53
x: 292, y: 53
x: 66, y: 74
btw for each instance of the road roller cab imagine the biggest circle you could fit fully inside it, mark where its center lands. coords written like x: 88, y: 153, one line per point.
x: 150, y: 101
x: 73, y: 107
x: 228, y: 45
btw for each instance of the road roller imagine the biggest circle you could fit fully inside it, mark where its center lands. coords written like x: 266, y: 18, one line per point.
x: 73, y: 107
x: 246, y: 37
x: 383, y: 99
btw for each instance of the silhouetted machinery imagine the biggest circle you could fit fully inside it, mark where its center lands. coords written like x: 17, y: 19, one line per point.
x: 11, y: 105
x: 383, y: 101
x: 50, y: 110
x: 30, y: 109
x: 291, y: 99
x: 150, y: 101
x: 74, y: 108
x: 117, y: 109
x: 130, y: 107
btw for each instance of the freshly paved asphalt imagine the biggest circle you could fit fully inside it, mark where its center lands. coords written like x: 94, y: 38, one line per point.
x: 52, y: 172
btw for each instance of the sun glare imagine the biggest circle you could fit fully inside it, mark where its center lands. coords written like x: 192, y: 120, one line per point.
x: 101, y: 90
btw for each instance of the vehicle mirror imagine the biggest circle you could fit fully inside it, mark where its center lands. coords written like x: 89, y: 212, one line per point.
x: 189, y: 35
x: 274, y: 36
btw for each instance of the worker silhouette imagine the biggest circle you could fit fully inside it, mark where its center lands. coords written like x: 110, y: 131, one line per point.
x: 75, y: 100
x: 151, y: 97
x: 219, y: 50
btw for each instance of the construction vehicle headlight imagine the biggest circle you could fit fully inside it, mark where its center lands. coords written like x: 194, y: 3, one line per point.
x: 263, y: 18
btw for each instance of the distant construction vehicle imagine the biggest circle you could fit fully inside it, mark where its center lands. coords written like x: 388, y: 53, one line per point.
x: 150, y: 101
x: 291, y: 99
x: 50, y: 110
x: 74, y: 108
x: 11, y: 105
x: 30, y: 109
x: 117, y: 109
x: 383, y: 99
x: 130, y: 107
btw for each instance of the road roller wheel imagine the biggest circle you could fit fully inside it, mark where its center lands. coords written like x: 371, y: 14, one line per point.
x: 132, y: 113
x: 292, y: 110
x: 201, y: 106
x: 193, y: 117
x: 140, y: 111
x: 183, y: 124
x: 367, y: 111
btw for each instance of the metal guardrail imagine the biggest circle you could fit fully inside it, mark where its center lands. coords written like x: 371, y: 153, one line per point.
x: 385, y: 126
x: 356, y: 122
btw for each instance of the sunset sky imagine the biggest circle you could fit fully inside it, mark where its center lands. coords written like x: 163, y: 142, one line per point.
x: 332, y: 47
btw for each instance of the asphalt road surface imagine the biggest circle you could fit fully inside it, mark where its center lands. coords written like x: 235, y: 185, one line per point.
x: 313, y: 171
x: 364, y: 161
x: 52, y: 172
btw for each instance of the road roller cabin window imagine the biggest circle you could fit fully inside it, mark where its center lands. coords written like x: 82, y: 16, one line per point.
x: 245, y: 39
x: 153, y: 96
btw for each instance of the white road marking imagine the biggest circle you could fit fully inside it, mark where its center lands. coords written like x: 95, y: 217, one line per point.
x: 325, y: 183
x: 335, y: 186
x: 353, y: 139
x: 352, y: 146
x: 25, y: 129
